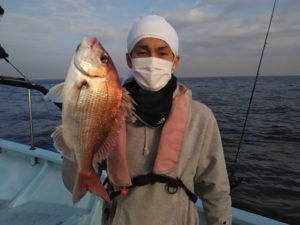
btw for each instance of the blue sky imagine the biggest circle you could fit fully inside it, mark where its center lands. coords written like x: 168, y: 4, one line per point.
x: 217, y: 37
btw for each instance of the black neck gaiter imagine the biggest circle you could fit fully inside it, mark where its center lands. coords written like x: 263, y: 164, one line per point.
x: 152, y: 107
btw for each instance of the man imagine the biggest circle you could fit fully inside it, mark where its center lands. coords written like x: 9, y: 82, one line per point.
x: 172, y: 146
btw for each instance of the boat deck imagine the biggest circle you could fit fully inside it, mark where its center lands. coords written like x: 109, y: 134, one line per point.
x: 35, y: 213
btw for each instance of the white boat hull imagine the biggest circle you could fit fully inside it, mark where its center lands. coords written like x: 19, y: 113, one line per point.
x: 32, y: 192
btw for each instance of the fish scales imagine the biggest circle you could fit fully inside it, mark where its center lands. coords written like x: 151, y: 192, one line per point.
x: 93, y: 131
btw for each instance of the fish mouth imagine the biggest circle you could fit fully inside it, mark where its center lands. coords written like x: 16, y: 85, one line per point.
x: 94, y: 43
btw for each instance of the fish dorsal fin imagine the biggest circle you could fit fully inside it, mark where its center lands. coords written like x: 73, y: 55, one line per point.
x: 55, y: 94
x: 60, y: 145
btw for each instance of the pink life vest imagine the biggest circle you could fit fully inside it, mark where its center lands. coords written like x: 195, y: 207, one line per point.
x: 169, y: 147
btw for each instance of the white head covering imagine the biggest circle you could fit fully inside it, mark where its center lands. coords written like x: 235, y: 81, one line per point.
x: 156, y: 27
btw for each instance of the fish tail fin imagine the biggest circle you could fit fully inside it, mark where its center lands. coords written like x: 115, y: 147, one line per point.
x: 88, y: 182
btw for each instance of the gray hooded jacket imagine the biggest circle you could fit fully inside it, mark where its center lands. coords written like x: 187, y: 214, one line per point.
x: 201, y: 167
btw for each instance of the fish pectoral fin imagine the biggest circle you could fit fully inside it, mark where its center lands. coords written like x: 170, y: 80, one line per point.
x: 88, y: 182
x: 60, y: 145
x: 55, y: 94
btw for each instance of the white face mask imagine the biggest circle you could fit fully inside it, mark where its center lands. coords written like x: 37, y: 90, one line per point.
x: 151, y: 73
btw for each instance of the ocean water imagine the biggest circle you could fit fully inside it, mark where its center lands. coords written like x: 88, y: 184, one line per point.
x: 269, y: 158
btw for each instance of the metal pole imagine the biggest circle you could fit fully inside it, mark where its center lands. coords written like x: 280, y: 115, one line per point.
x: 30, y: 120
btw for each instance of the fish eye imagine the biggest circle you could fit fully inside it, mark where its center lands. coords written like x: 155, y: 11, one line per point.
x: 104, y: 58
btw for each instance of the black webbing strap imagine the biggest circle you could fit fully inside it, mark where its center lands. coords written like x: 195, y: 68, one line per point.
x: 172, y: 184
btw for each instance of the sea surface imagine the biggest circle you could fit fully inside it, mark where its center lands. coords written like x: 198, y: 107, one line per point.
x: 269, y: 158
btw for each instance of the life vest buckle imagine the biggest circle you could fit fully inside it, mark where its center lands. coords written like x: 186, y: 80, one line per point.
x: 171, y: 188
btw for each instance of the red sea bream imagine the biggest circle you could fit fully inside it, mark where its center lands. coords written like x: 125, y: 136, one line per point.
x: 93, y: 109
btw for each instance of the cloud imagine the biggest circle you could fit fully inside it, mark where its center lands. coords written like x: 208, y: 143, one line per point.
x: 232, y: 32
x: 216, y: 36
x: 62, y: 18
x: 189, y: 17
x: 47, y: 33
x: 207, y: 32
